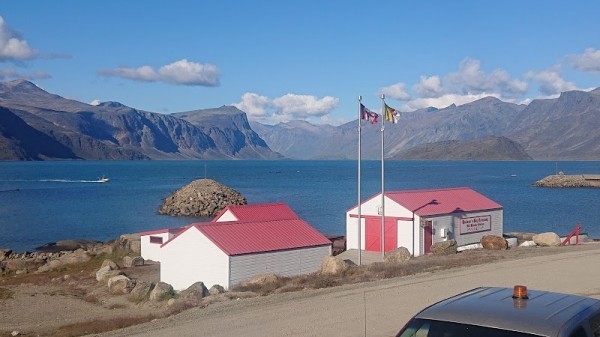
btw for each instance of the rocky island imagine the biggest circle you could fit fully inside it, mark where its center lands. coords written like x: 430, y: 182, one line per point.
x: 201, y: 198
x: 562, y: 180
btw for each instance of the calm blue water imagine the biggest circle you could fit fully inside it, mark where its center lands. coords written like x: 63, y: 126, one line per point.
x: 43, y: 210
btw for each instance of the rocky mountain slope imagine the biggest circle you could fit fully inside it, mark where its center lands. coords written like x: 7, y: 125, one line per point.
x: 37, y: 125
x: 565, y: 128
x: 490, y: 148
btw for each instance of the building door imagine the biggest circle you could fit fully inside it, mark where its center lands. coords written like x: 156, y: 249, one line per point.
x: 373, y: 234
x: 428, y: 236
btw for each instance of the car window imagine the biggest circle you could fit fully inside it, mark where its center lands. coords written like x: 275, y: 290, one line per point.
x: 579, y: 332
x: 432, y: 328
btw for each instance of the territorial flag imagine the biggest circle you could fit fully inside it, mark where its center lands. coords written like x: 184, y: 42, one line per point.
x: 367, y: 114
x: 391, y: 115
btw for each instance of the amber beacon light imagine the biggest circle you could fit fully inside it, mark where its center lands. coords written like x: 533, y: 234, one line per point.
x: 520, y: 292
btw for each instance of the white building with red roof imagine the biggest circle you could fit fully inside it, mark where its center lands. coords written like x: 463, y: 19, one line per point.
x: 267, y: 238
x: 151, y: 241
x: 416, y: 219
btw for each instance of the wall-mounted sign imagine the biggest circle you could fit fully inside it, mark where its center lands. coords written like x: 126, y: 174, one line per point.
x: 475, y: 224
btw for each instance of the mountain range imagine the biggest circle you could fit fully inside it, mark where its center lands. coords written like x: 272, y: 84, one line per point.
x: 37, y: 125
x: 563, y: 128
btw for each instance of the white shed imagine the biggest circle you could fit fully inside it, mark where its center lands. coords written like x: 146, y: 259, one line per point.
x: 152, y: 240
x: 227, y: 253
x: 419, y: 218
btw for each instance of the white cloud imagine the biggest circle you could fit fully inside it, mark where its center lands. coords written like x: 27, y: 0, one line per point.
x: 444, y: 101
x: 429, y: 87
x: 395, y: 91
x: 13, y: 74
x: 588, y: 61
x: 286, y: 107
x: 470, y: 79
x: 254, y: 105
x: 181, y: 72
x: 12, y: 46
x: 551, y: 82
x: 304, y: 106
x: 95, y: 102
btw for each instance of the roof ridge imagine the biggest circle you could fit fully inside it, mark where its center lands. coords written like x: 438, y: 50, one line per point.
x: 430, y: 190
x: 233, y: 222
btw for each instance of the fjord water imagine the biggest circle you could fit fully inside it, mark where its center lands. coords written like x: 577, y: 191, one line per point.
x: 43, y: 202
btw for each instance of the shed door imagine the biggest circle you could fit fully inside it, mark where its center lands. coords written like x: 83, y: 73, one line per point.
x: 428, y: 236
x: 373, y: 234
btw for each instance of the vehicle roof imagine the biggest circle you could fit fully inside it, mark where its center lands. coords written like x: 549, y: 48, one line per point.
x: 544, y: 313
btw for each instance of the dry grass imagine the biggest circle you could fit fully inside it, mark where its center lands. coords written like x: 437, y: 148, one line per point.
x: 378, y: 271
x: 99, y: 325
x: 6, y: 294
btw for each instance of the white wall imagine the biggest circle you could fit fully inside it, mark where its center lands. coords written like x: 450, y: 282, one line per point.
x: 190, y: 258
x: 285, y: 263
x: 152, y: 251
x: 227, y: 216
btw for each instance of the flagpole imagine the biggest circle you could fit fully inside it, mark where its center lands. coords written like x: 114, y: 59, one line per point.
x: 382, y: 179
x: 359, y: 160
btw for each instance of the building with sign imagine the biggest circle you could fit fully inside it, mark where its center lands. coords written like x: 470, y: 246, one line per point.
x: 419, y: 218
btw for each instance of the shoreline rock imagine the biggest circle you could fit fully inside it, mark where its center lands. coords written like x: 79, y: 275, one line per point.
x: 562, y: 180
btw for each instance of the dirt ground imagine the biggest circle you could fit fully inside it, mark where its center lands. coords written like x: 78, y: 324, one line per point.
x: 72, y: 303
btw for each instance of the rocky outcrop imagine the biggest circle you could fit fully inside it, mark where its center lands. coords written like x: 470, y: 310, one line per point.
x: 494, y: 242
x: 398, y: 255
x: 332, y: 265
x: 562, y: 180
x: 444, y: 248
x: 78, y: 256
x: 216, y: 289
x: 201, y: 198
x: 548, y: 239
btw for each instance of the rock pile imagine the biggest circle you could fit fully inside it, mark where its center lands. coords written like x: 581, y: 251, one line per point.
x: 201, y: 198
x: 565, y: 181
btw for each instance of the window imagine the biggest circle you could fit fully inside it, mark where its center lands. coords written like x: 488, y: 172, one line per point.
x: 156, y: 239
x: 431, y: 328
x: 579, y: 332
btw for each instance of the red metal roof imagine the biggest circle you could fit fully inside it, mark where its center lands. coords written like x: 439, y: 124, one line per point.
x: 259, y: 212
x: 442, y: 201
x: 236, y: 238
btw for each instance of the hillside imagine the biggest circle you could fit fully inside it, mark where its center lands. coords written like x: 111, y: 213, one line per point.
x: 490, y: 148
x: 37, y: 125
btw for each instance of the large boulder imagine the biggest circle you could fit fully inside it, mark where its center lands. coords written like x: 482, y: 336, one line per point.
x: 129, y: 243
x: 494, y: 242
x: 201, y: 198
x: 261, y: 280
x: 162, y: 291
x: 134, y: 261
x: 216, y: 289
x: 521, y: 236
x: 548, y: 239
x: 109, y: 263
x: 444, y: 248
x: 194, y: 293
x: 398, y: 255
x: 332, y: 265
x: 120, y: 285
x: 141, y: 291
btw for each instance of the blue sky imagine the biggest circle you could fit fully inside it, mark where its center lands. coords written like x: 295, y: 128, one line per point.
x: 285, y: 60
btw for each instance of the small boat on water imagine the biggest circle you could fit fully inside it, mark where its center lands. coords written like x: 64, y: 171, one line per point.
x: 103, y: 180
